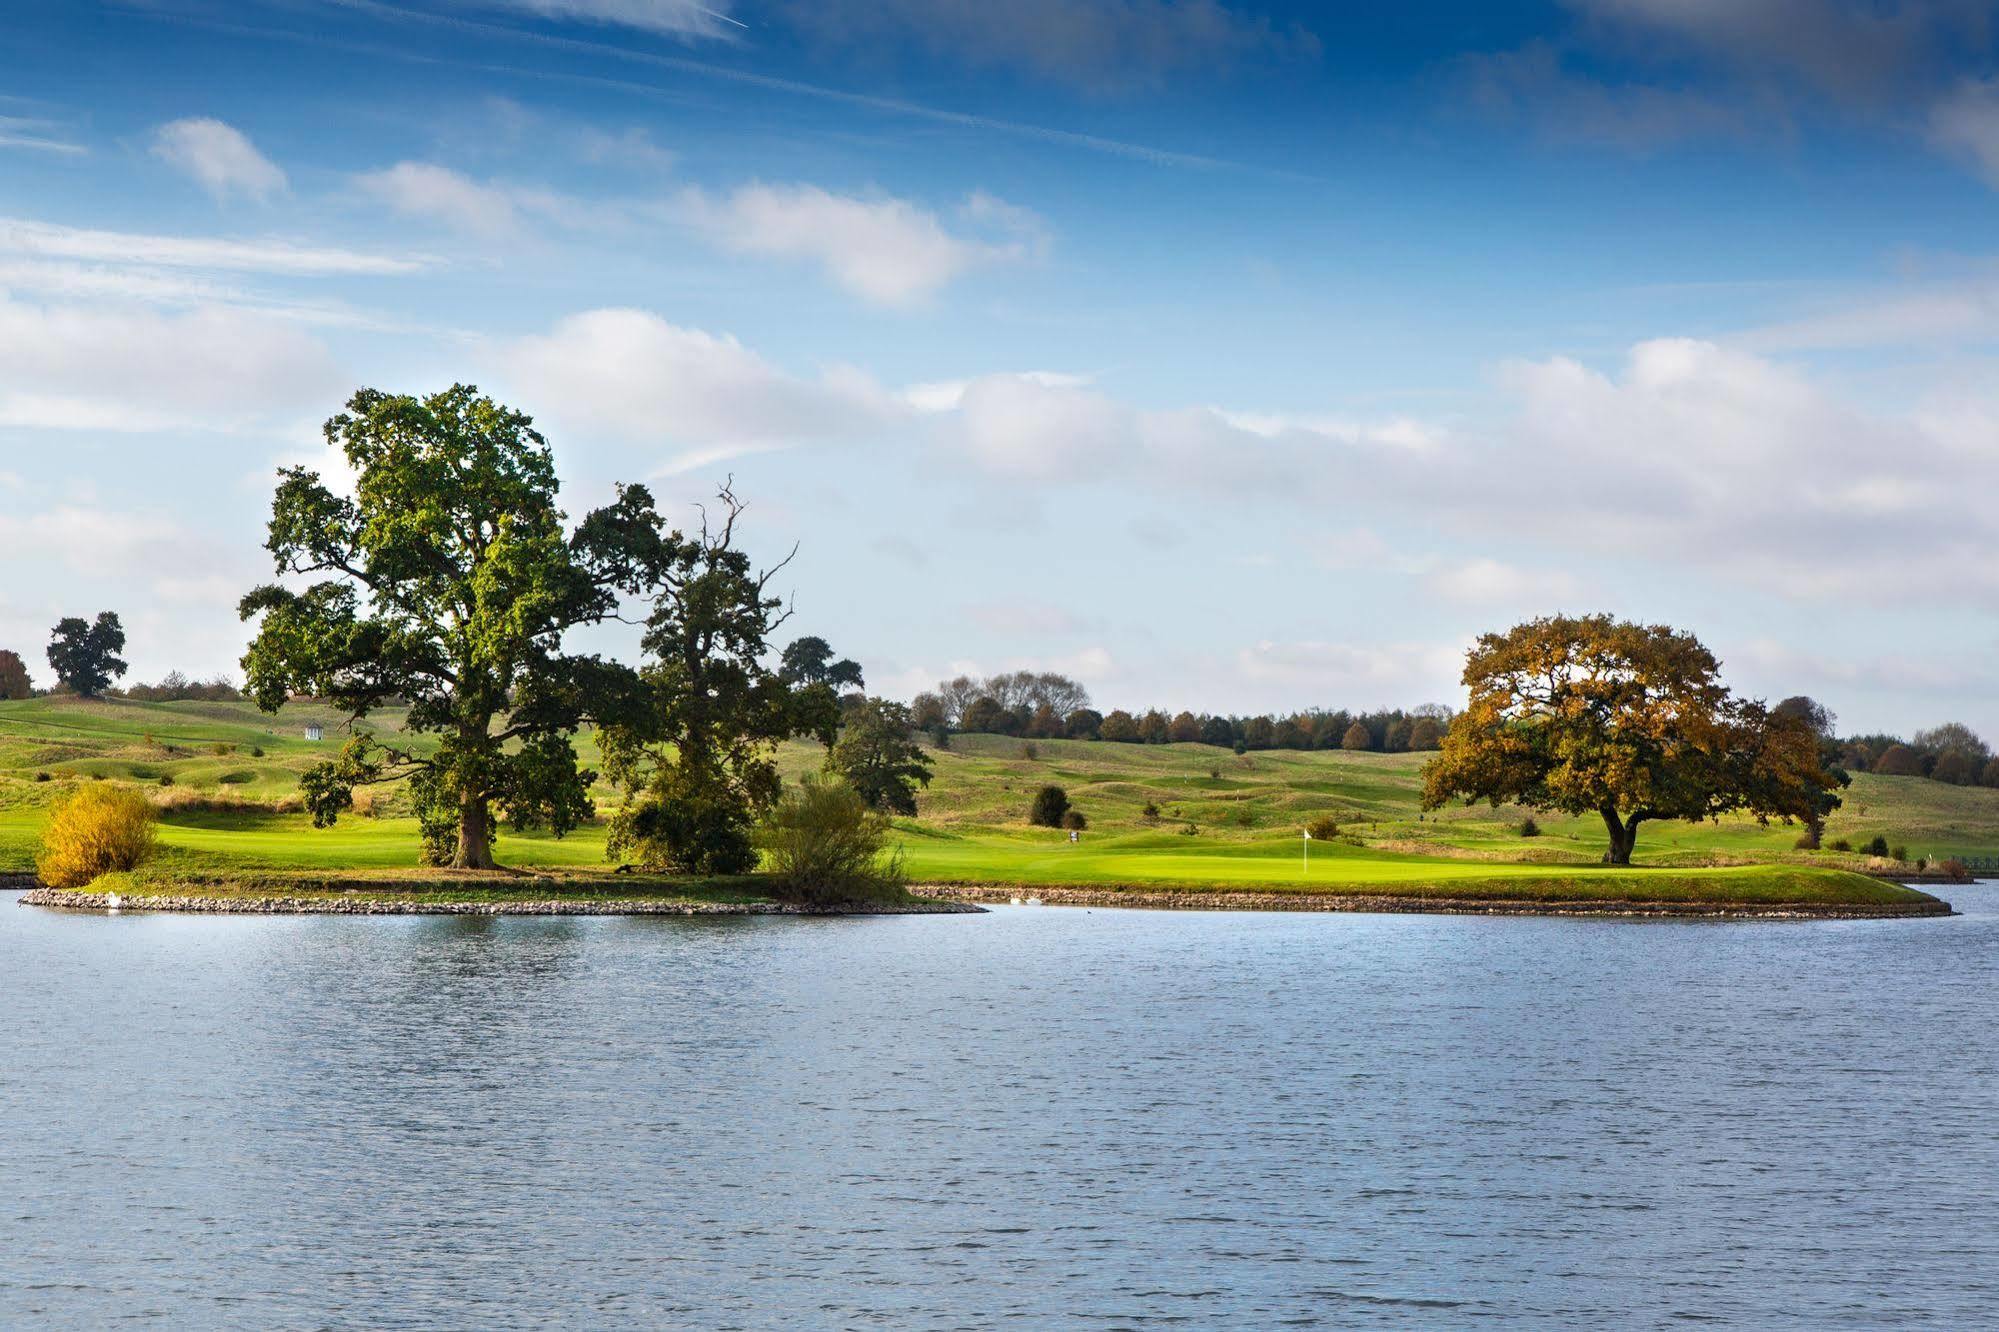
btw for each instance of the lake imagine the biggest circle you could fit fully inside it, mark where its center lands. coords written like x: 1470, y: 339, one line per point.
x: 1042, y: 1116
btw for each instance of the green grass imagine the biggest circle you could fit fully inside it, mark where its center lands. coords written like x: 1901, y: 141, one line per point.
x: 1225, y: 821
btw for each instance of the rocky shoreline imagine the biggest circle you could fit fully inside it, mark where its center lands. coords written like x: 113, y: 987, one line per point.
x: 1179, y: 900
x: 281, y: 905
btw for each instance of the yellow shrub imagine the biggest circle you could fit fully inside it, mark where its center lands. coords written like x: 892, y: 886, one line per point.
x: 98, y: 829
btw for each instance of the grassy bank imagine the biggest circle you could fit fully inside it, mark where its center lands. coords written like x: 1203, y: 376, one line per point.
x: 1162, y: 818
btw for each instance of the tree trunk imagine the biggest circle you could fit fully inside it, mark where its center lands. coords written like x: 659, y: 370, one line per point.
x: 475, y: 834
x: 1623, y: 837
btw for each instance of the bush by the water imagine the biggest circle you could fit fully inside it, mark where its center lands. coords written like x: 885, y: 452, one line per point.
x: 1877, y: 847
x: 1050, y: 804
x: 96, y: 830
x: 824, y: 845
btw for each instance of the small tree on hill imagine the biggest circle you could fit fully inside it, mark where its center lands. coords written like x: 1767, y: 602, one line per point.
x: 1153, y: 728
x: 877, y: 754
x: 1628, y: 721
x: 1050, y: 804
x: 1183, y: 729
x: 1120, y: 726
x: 14, y: 681
x: 810, y: 661
x: 1083, y: 724
x: 1217, y: 731
x: 1357, y: 738
x: 1426, y: 733
x: 1044, y: 723
x: 84, y: 654
x: 1899, y: 761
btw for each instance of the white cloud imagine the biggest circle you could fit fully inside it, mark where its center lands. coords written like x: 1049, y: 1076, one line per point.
x: 108, y: 368
x: 220, y: 157
x: 439, y: 194
x: 885, y: 250
x: 674, y: 18
x: 629, y: 375
x: 51, y: 241
x: 1313, y: 671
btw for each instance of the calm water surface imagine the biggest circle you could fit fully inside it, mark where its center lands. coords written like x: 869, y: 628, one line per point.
x: 1042, y: 1117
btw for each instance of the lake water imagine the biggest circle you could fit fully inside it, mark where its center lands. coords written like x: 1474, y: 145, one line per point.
x: 1044, y: 1117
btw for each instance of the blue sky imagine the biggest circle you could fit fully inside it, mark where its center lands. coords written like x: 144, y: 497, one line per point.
x: 1225, y: 355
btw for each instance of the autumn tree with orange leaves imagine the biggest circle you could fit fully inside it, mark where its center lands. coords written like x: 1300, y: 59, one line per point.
x: 1631, y: 722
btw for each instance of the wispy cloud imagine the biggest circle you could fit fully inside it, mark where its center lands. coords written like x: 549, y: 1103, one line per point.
x: 34, y: 134
x: 886, y: 250
x: 220, y: 157
x: 51, y: 240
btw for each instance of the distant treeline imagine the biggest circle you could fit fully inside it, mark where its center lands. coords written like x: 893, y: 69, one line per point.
x: 1044, y: 705
x: 1952, y: 753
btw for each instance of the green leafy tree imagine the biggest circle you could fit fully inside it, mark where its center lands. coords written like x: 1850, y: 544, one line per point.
x: 14, y: 681
x: 446, y: 583
x: 1050, y: 804
x: 1083, y: 724
x: 810, y: 660
x: 1119, y: 726
x: 699, y: 759
x: 878, y: 755
x: 84, y: 653
x: 1628, y: 721
x: 1217, y: 731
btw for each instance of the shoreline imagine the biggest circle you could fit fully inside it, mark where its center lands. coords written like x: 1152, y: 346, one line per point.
x: 930, y: 899
x: 285, y: 905
x: 1155, y: 899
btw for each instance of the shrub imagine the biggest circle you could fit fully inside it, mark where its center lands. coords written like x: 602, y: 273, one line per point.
x: 1241, y: 747
x: 1324, y: 828
x: 97, y: 830
x: 1151, y: 812
x: 1050, y: 804
x: 1805, y: 842
x: 1841, y: 844
x: 1529, y: 828
x: 1074, y: 820
x: 1877, y: 847
x: 1245, y: 817
x: 222, y: 749
x: 166, y: 779
x: 689, y: 823
x: 1899, y: 853
x: 256, y: 751
x: 823, y: 844
x: 1028, y: 751
x: 1958, y: 871
x: 41, y: 777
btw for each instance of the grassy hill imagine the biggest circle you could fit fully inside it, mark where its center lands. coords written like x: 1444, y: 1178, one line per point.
x: 1220, y: 818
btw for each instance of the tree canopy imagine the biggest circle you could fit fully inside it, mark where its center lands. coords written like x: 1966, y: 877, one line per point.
x: 446, y: 583
x: 1629, y: 721
x: 14, y: 681
x: 877, y: 754
x: 698, y: 756
x: 84, y: 654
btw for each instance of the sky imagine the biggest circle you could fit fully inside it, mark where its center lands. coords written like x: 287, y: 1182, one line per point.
x: 1226, y: 356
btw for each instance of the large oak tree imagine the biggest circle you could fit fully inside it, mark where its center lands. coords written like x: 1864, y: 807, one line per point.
x: 1631, y: 722
x: 446, y: 583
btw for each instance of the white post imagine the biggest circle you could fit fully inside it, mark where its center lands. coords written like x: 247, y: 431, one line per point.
x: 1305, y: 847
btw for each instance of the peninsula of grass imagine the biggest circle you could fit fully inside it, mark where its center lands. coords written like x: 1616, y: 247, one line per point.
x: 1169, y: 825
